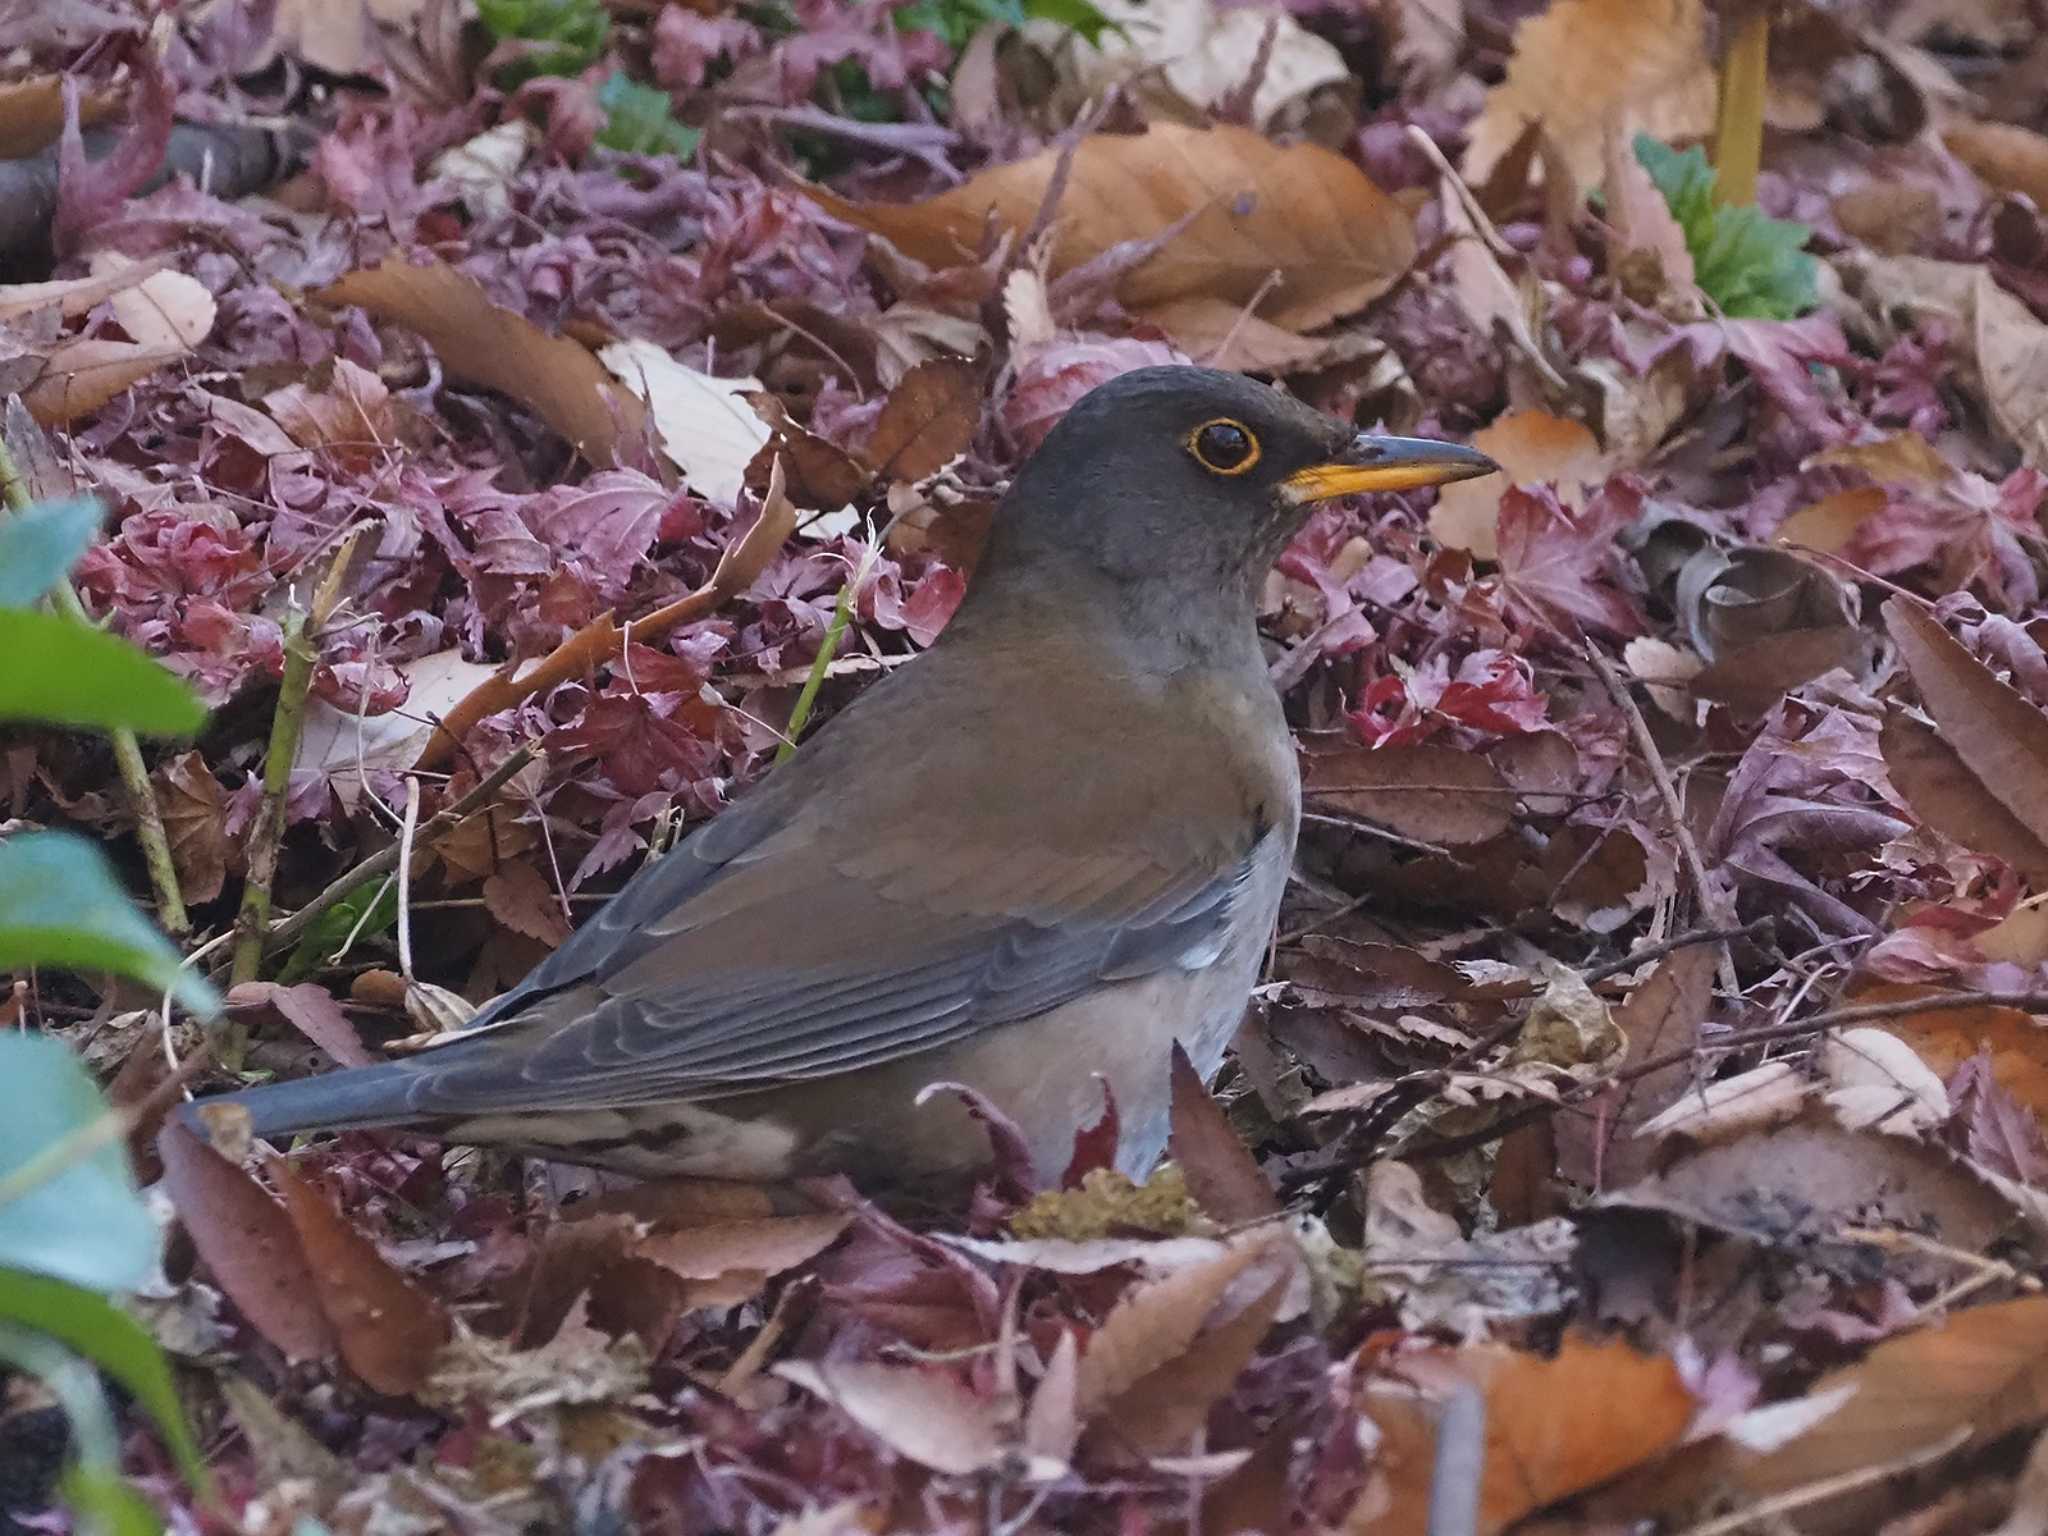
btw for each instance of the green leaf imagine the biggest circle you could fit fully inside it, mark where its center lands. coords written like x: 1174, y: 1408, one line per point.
x: 577, y: 28
x: 319, y: 944
x: 93, y: 1327
x: 62, y: 672
x: 1751, y: 265
x: 61, y: 905
x: 99, y: 1494
x: 639, y: 120
x: 39, y: 545
x: 82, y: 1220
x: 1076, y: 16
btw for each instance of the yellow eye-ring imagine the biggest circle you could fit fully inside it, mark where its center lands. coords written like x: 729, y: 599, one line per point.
x: 1223, y: 446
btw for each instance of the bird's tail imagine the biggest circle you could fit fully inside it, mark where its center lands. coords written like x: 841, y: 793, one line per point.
x: 357, y: 1098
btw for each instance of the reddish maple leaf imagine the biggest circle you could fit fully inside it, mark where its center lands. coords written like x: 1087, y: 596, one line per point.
x: 1557, y: 563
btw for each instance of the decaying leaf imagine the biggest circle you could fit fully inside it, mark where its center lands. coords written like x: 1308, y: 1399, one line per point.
x: 1433, y: 794
x: 249, y: 1244
x: 1186, y: 57
x: 1998, y: 735
x: 927, y: 422
x: 1926, y: 768
x: 1765, y: 621
x: 2015, y: 1042
x: 707, y: 428
x: 1222, y: 1174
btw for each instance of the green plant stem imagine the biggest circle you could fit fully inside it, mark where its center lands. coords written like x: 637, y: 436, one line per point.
x: 286, y: 723
x: 1739, y: 110
x: 842, y: 615
x: 149, y: 816
x: 287, y: 929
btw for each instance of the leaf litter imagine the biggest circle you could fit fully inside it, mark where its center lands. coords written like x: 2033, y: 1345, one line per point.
x: 1662, y: 1070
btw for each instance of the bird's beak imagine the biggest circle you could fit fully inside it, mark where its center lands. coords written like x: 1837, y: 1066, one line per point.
x: 1372, y: 463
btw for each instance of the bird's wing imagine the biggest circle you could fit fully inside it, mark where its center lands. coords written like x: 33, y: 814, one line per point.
x: 788, y: 941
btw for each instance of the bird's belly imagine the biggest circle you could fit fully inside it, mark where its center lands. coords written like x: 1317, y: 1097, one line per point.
x: 1040, y: 1072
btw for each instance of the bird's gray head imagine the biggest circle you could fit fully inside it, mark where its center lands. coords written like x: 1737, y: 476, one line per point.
x: 1184, y: 481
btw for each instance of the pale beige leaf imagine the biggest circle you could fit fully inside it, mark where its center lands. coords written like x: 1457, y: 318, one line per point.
x: 923, y: 1415
x: 769, y: 1245
x: 706, y: 427
x: 1153, y: 1324
x: 2012, y: 360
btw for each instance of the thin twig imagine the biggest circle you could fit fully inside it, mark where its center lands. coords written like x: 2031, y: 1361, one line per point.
x: 1657, y: 951
x: 405, y: 838
x: 1712, y: 907
x: 266, y: 838
x: 1829, y: 1487
x: 142, y: 805
x: 288, y: 928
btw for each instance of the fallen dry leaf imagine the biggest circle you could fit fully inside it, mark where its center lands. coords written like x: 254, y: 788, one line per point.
x: 922, y: 1414
x: 1532, y: 447
x: 1927, y: 770
x: 1978, y: 1375
x: 2012, y: 362
x: 194, y: 809
x: 32, y: 113
x: 2000, y: 737
x: 481, y: 344
x: 1300, y: 217
x: 2006, y: 155
x: 1164, y: 1409
x: 519, y: 896
x: 1827, y: 526
x: 1188, y: 56
x: 927, y: 421
x: 1945, y: 1038
x: 1223, y: 1176
x: 313, y: 1012
x: 166, y: 314
x: 1153, y: 1325
x: 387, y: 1329
x: 766, y: 1245
x: 1554, y: 1427
x: 1582, y: 65
x: 1765, y: 621
x: 248, y: 1243
x: 1432, y: 794
x: 706, y: 427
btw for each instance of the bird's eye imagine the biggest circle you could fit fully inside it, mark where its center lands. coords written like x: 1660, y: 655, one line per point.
x: 1223, y: 446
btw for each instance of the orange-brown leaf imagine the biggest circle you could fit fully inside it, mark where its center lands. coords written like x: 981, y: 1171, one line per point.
x: 1554, y: 1427
x: 389, y: 1330
x: 248, y: 1243
x: 1300, y: 214
x: 480, y: 343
